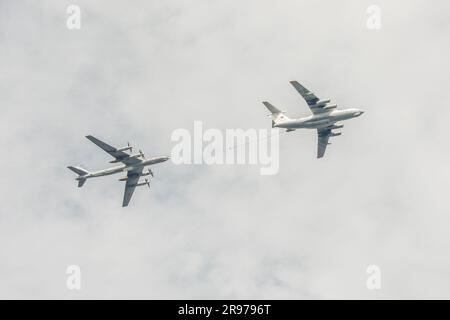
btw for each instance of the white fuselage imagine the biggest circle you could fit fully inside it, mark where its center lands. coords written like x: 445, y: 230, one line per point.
x: 317, y: 121
x: 125, y: 168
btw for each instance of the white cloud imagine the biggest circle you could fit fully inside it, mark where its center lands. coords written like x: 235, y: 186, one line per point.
x: 138, y: 72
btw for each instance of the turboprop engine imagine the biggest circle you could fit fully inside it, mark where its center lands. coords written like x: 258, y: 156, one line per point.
x: 143, y: 174
x: 128, y: 147
x: 147, y: 183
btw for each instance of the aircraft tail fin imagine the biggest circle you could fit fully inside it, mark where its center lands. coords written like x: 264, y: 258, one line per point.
x: 81, y: 173
x: 271, y: 108
x: 277, y: 115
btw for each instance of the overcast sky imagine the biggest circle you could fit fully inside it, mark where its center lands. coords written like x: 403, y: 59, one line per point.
x: 137, y: 72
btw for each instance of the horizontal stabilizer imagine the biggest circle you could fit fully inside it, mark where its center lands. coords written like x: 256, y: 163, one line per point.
x: 78, y: 170
x: 81, y: 182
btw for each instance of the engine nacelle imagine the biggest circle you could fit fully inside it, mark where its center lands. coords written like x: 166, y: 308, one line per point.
x: 321, y: 103
x: 331, y: 106
x: 335, y: 134
x: 143, y: 174
x: 337, y: 126
x: 128, y: 147
x: 141, y: 184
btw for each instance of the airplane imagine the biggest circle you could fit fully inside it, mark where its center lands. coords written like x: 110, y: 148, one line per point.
x: 324, y: 117
x: 132, y: 164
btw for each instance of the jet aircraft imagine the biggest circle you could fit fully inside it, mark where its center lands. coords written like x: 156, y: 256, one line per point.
x: 324, y: 117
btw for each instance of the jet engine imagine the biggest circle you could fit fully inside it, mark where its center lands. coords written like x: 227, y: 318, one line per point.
x: 321, y: 103
x: 331, y: 106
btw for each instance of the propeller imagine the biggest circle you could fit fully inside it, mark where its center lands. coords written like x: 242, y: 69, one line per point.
x: 130, y: 147
x: 150, y: 172
x: 142, y: 154
x: 148, y: 183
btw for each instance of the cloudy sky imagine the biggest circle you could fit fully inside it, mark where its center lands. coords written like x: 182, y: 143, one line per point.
x: 137, y: 72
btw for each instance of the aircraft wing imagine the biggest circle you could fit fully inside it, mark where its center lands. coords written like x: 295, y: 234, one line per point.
x: 132, y: 179
x: 119, y: 155
x: 310, y: 98
x: 323, y: 136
